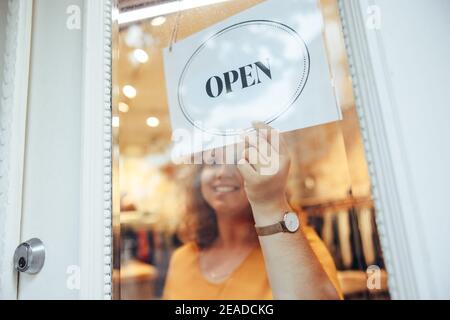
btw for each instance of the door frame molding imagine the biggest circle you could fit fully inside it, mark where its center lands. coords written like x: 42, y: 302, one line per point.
x: 13, y: 118
x: 96, y: 152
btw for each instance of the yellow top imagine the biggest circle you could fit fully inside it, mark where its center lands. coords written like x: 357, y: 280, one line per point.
x: 185, y: 280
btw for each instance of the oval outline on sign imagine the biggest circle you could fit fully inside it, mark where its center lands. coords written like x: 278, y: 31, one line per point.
x: 298, y: 92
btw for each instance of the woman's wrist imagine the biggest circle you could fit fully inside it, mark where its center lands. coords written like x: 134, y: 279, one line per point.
x: 268, y: 213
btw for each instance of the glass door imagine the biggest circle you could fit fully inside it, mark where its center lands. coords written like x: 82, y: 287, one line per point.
x: 168, y: 219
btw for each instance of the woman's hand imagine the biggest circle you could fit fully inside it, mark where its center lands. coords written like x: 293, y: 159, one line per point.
x: 265, y: 167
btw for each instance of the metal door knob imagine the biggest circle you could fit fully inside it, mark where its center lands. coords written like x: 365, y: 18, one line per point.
x: 29, y: 256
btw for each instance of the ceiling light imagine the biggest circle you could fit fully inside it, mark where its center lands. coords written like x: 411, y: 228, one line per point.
x: 115, y: 122
x: 129, y: 91
x: 123, y: 107
x: 163, y: 9
x: 153, y: 122
x: 140, y: 55
x: 158, y: 21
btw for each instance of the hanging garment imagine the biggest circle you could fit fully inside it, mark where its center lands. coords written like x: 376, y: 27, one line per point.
x: 345, y: 238
x: 377, y: 244
x: 358, y: 262
x: 366, y: 228
x: 335, y: 244
x: 327, y: 229
x: 143, y: 248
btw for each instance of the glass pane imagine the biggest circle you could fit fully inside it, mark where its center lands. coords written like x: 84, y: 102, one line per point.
x: 167, y: 208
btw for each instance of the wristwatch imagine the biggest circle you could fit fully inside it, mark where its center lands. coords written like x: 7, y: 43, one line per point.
x: 289, y: 224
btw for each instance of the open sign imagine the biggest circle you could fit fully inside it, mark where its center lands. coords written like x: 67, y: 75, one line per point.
x: 266, y: 63
x: 265, y: 44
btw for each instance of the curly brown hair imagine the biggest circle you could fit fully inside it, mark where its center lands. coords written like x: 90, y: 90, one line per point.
x: 200, y: 221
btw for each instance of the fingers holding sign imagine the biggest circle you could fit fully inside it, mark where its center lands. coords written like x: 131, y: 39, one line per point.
x: 264, y: 164
x: 264, y: 150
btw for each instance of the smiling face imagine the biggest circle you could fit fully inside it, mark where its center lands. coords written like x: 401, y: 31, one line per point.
x: 222, y: 187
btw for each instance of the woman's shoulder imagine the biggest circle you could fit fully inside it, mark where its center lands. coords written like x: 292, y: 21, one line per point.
x: 315, y: 242
x: 187, y: 252
x: 182, y: 267
x: 310, y: 233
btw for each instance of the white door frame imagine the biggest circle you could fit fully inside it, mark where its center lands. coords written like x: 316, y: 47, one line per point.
x: 96, y: 154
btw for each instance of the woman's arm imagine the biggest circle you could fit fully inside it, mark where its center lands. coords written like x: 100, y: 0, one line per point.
x: 293, y: 269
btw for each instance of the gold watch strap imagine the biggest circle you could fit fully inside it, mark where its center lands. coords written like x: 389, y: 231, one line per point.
x: 269, y: 230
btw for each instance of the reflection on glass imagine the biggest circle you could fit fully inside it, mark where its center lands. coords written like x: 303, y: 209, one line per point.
x: 185, y: 233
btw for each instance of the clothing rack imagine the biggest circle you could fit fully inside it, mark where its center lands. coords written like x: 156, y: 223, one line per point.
x: 314, y: 207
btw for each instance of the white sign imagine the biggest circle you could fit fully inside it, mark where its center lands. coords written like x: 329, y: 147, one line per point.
x: 267, y: 63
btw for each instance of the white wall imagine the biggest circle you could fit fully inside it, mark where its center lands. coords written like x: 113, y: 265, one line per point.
x: 416, y: 40
x: 3, y: 13
x: 52, y: 167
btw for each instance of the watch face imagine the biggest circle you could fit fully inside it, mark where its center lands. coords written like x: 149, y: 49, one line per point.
x: 291, y: 221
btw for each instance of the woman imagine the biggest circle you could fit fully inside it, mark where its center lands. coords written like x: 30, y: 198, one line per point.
x: 242, y: 248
